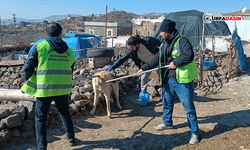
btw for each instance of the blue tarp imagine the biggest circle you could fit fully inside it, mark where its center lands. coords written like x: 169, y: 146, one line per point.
x: 82, y: 35
x: 74, y: 43
x: 239, y: 47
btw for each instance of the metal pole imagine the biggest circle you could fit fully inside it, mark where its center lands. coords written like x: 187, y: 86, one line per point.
x: 106, y: 25
x: 1, y: 30
x: 14, y: 20
x: 1, y: 35
x: 135, y: 74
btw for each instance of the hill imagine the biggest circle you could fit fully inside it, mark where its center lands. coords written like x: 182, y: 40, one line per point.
x: 116, y: 16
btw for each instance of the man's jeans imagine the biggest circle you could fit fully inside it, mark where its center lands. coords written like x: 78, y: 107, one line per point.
x: 185, y: 92
x: 41, y: 110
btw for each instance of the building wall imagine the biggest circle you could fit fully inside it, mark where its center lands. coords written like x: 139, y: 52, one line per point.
x: 100, y: 31
x: 116, y: 29
x: 124, y: 31
x: 145, y: 29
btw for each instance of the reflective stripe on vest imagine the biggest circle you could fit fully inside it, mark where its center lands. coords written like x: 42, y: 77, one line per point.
x: 42, y: 72
x: 59, y: 86
x: 186, y: 73
x: 53, y: 74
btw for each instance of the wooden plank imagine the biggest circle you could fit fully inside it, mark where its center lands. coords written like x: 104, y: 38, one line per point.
x: 12, y: 63
x: 97, y: 62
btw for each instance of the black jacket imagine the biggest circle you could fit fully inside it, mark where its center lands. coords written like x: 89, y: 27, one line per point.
x: 186, y: 56
x: 152, y: 44
x: 31, y: 63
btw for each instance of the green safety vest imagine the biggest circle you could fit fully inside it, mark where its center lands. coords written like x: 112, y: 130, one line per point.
x: 186, y: 73
x: 53, y: 74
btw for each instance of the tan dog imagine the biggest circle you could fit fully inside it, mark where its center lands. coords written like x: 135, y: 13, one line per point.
x: 106, y: 89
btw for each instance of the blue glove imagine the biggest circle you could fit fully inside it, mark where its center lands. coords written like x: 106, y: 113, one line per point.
x: 108, y: 69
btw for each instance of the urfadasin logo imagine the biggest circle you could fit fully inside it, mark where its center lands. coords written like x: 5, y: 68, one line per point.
x: 208, y: 18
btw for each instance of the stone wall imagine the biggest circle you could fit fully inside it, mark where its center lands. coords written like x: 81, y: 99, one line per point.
x: 145, y: 29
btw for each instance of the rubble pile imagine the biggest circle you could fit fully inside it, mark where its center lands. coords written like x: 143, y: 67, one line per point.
x: 218, y: 73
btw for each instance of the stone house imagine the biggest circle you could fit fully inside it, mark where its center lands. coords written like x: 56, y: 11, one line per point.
x: 114, y: 29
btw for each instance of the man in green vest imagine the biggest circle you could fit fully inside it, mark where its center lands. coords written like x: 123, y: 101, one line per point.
x: 177, y: 52
x: 48, y: 76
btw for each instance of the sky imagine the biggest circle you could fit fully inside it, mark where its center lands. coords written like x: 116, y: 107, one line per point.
x: 38, y: 9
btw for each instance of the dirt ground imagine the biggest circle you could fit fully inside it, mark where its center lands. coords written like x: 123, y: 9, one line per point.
x: 224, y: 122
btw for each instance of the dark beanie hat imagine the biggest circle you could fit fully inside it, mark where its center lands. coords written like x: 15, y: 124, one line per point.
x: 167, y: 26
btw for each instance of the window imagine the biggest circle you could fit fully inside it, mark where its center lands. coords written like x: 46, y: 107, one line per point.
x: 109, y: 32
x: 91, y: 31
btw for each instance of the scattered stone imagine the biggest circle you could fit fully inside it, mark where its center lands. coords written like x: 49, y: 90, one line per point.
x: 11, y: 106
x: 53, y: 110
x: 20, y: 111
x: 16, y: 132
x: 82, y: 103
x: 5, y: 135
x: 29, y: 109
x: 12, y: 121
x: 73, y: 109
x: 75, y: 96
x: 28, y: 134
x: 2, y: 125
x: 28, y: 125
x: 4, y: 113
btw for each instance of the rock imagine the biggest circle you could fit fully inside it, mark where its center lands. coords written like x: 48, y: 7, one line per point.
x: 29, y: 109
x: 152, y: 91
x: 6, y: 80
x: 76, y: 72
x: 75, y: 89
x: 89, y: 95
x: 28, y: 134
x: 5, y: 135
x: 28, y: 125
x: 11, y: 106
x: 83, y: 96
x: 73, y: 109
x: 14, y: 76
x: 87, y: 88
x: 53, y: 110
x: 4, y: 113
x: 82, y: 103
x: 16, y: 132
x: 15, y: 82
x: 20, y: 111
x: 12, y: 121
x: 81, y: 83
x: 84, y: 70
x: 154, y: 82
x: 6, y: 86
x: 2, y: 125
x: 75, y: 96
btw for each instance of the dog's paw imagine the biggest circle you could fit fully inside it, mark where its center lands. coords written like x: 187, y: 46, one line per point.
x: 119, y: 106
x: 92, y: 112
x: 109, y: 117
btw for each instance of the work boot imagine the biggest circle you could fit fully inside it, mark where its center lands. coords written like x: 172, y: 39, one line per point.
x: 193, y: 139
x: 162, y: 127
x: 71, y: 142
